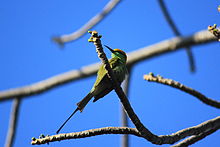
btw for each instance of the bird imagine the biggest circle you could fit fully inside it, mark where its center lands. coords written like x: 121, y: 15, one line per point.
x: 103, y: 84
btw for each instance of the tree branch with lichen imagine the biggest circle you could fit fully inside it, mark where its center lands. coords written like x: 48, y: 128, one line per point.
x: 159, y: 79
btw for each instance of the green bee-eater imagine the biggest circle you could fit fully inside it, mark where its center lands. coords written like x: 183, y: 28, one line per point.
x: 103, y: 85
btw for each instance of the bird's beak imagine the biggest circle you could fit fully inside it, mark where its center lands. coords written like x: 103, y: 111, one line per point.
x: 109, y: 49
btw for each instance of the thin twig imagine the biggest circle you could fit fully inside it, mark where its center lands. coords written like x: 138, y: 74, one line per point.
x: 177, y: 33
x: 193, y: 139
x: 151, y: 78
x: 148, y: 52
x: 91, y: 23
x: 124, y: 118
x: 174, y: 137
x: 13, y: 122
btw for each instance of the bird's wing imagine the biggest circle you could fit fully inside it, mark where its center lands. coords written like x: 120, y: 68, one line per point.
x: 102, y: 71
x: 103, y: 84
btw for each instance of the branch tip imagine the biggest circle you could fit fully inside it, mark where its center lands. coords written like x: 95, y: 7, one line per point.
x: 215, y: 31
x: 159, y: 79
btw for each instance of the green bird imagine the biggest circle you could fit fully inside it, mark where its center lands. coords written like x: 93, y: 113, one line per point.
x: 103, y: 85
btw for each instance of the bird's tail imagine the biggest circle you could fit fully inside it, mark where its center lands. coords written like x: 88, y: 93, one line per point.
x: 67, y: 120
x: 81, y: 105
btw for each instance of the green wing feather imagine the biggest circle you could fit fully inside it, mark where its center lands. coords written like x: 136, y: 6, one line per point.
x: 119, y: 70
x: 102, y: 71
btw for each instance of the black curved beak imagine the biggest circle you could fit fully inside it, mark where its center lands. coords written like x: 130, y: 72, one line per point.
x: 109, y: 48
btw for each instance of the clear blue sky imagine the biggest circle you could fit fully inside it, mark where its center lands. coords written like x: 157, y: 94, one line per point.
x: 27, y: 55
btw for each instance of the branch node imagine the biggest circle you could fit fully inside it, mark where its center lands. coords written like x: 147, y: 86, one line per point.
x: 215, y: 31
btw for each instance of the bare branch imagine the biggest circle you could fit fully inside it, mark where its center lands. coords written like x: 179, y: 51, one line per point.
x: 124, y: 118
x: 166, y: 139
x: 169, y: 46
x: 148, y: 52
x: 193, y: 139
x: 177, y: 33
x: 87, y: 133
x: 151, y: 78
x: 50, y: 83
x: 13, y: 123
x: 95, y: 38
x: 91, y: 23
x: 168, y: 18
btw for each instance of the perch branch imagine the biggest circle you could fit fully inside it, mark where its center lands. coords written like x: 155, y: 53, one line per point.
x: 91, y: 23
x: 151, y: 78
x: 95, y: 38
x: 177, y: 33
x: 174, y: 137
x: 13, y: 122
x: 145, y: 133
x: 148, y: 52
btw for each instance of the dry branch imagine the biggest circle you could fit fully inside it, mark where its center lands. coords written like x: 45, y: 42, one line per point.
x: 87, y: 133
x: 151, y: 78
x: 91, y: 23
x: 50, y: 83
x: 145, y: 133
x: 166, y: 139
x: 148, y: 52
x: 124, y: 117
x: 13, y: 122
x: 95, y: 38
x: 177, y: 33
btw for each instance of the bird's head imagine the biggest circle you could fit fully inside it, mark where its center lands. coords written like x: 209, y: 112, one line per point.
x: 118, y: 54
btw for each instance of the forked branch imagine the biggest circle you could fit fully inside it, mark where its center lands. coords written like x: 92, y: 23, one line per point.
x: 196, y: 132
